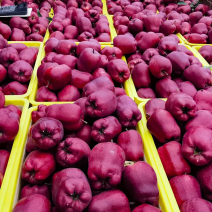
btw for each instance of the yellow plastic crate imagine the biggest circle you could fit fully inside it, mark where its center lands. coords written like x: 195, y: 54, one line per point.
x: 138, y: 100
x: 14, y: 189
x: 112, y: 36
x: 104, y: 8
x: 180, y: 36
x: 126, y: 85
x: 155, y: 157
x: 39, y: 46
x: 8, y: 182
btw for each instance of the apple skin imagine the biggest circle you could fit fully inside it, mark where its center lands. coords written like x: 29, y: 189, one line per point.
x: 14, y: 109
x: 34, y: 37
x: 206, y: 51
x: 72, y: 185
x: 80, y: 79
x: 160, y: 66
x: 2, y: 99
x: 177, y: 164
x: 119, y: 91
x: 126, y: 43
x: 203, y: 101
x: 134, y: 178
x: 5, y: 31
x: 45, y: 166
x: 29, y: 190
x: 20, y: 71
x: 57, y: 77
x: 40, y: 29
x: 198, y: 76
x: 146, y: 93
x: 33, y: 203
x: 47, y: 133
x: 71, y: 121
x: 131, y: 142
x: 39, y: 113
x: 68, y: 94
x: 112, y: 53
x: 104, y: 157
x: 33, y: 18
x: 14, y: 88
x: 89, y: 60
x: 58, y: 35
x: 92, y: 43
x: 109, y: 201
x: 203, y: 175
x: 181, y: 185
x: 9, y: 125
x: 73, y: 152
x: 202, y: 118
x: 181, y: 106
x: 68, y: 60
x: 29, y: 55
x: 149, y: 40
x: 146, y: 208
x: 48, y: 57
x: 8, y: 56
x: 195, y: 148
x: 18, y: 46
x: 165, y: 87
x: 99, y: 83
x: 4, y: 154
x: 196, y: 205
x: 164, y: 130
x: 66, y: 47
x: 127, y: 111
x: 118, y: 70
x: 167, y: 45
x: 180, y: 61
x: 152, y: 105
x: 110, y: 126
x: 101, y: 104
x: 148, y: 54
x: 20, y: 23
x: 182, y: 48
x: 3, y: 73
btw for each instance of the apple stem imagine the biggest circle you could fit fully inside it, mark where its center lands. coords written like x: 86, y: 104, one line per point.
x: 84, y: 121
x: 111, y: 140
x: 147, y: 115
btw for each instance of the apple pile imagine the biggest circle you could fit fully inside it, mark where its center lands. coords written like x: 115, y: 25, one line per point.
x: 82, y: 154
x: 96, y: 5
x: 182, y: 130
x: 9, y: 126
x: 16, y: 67
x: 160, y: 67
x: 68, y: 70
x: 32, y: 28
x: 79, y: 24
x: 191, y: 19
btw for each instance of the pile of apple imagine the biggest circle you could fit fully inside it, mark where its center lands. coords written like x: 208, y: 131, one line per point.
x: 80, y: 150
x: 160, y: 67
x: 191, y: 19
x: 79, y: 24
x: 182, y: 130
x: 9, y: 127
x: 80, y: 4
x: 32, y: 28
x: 16, y: 67
x: 68, y: 69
